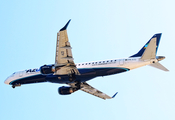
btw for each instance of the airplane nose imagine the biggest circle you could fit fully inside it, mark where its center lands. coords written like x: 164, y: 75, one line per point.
x: 7, y: 81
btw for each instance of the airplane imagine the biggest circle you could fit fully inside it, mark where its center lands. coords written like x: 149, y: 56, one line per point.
x: 65, y: 71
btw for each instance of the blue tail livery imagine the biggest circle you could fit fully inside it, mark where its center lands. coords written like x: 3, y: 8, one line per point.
x: 157, y: 36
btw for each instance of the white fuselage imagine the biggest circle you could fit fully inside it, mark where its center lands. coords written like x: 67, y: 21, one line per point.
x: 127, y: 63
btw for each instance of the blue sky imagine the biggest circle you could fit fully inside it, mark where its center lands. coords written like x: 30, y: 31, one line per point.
x: 101, y: 29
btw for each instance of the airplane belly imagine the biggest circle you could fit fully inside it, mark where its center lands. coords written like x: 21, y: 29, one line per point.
x: 102, y: 71
x: 87, y: 71
x: 65, y: 79
x: 57, y: 78
x: 109, y: 71
x: 85, y: 75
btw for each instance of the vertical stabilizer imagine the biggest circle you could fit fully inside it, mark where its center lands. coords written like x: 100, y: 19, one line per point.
x: 142, y: 50
x: 150, y: 51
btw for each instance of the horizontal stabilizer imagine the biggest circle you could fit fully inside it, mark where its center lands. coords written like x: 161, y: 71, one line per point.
x: 159, y: 66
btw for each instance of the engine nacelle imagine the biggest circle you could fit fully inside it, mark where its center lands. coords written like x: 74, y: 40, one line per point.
x: 65, y: 90
x: 47, y: 69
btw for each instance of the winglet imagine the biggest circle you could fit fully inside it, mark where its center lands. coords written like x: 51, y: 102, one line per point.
x: 64, y: 28
x: 114, y: 95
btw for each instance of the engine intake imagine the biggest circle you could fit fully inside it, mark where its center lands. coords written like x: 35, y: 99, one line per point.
x: 65, y: 90
x: 47, y: 69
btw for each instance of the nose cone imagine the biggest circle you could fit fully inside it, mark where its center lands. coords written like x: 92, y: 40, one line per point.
x: 7, y: 81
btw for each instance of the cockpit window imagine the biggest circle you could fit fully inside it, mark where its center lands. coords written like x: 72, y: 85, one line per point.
x: 13, y: 74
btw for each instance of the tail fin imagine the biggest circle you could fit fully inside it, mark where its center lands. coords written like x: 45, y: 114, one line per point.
x: 155, y: 38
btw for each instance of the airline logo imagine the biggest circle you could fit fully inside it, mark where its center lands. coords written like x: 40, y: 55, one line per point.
x: 146, y: 45
x: 32, y: 70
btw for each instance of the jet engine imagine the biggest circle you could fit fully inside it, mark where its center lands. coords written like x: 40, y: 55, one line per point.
x: 47, y: 69
x: 65, y: 90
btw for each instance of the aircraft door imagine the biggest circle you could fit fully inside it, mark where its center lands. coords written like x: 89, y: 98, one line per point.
x: 121, y: 61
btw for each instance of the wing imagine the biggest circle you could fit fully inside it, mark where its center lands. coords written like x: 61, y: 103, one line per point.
x: 64, y: 62
x: 89, y: 89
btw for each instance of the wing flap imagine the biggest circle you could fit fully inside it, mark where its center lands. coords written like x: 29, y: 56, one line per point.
x: 89, y: 89
x: 64, y: 61
x: 63, y: 49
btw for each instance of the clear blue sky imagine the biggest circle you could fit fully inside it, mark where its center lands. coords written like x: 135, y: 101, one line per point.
x: 100, y: 29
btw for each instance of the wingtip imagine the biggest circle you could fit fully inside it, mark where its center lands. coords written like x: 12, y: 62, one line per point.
x: 114, y: 94
x: 65, y: 27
